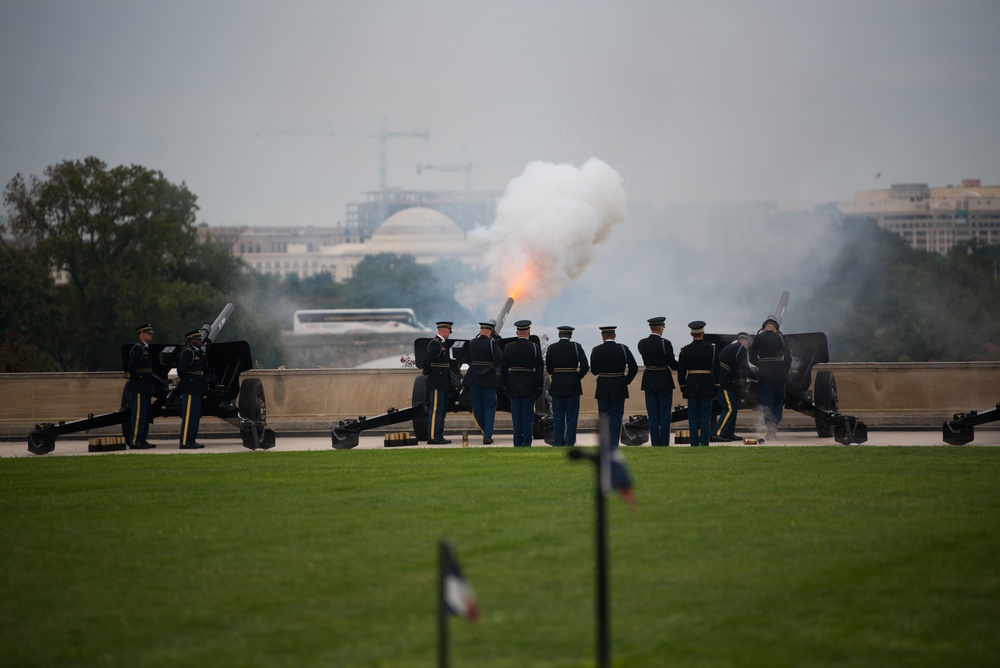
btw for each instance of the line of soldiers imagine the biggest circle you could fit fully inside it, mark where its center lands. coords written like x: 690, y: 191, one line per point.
x: 190, y: 374
x: 704, y: 375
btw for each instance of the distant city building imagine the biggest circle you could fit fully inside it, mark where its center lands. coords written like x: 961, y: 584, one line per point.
x: 932, y: 219
x: 468, y: 209
x: 428, y: 235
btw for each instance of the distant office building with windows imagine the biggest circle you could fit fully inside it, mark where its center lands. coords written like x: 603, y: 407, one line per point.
x: 932, y: 219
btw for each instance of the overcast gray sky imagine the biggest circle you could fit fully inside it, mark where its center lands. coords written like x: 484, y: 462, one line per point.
x: 788, y: 100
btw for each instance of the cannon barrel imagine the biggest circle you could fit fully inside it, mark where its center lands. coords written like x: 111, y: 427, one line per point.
x: 504, y: 312
x: 209, y: 332
x: 779, y: 311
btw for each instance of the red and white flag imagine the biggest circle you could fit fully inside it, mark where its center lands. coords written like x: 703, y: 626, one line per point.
x: 457, y: 594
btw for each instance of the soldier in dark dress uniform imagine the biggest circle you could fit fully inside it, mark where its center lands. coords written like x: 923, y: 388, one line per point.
x: 191, y: 373
x: 437, y: 368
x: 697, y: 375
x: 481, y: 378
x: 615, y: 368
x: 522, y: 373
x: 773, y: 360
x: 658, y: 359
x: 734, y: 365
x: 567, y: 364
x: 140, y: 389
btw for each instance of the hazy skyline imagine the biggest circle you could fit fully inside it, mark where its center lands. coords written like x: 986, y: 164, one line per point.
x: 793, y: 101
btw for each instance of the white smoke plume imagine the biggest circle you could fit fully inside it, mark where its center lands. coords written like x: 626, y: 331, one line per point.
x: 548, y: 224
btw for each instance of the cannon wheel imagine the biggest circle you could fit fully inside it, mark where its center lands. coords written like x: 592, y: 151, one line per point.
x: 251, y: 401
x: 825, y: 396
x: 420, y: 424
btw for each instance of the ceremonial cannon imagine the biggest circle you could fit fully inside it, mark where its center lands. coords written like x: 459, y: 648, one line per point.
x: 346, y: 434
x: 814, y: 398
x: 224, y: 395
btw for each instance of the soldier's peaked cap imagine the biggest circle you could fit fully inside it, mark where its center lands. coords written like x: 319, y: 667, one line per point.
x: 441, y: 324
x: 609, y: 328
x: 193, y: 334
x: 772, y: 320
x: 697, y: 326
x: 489, y: 324
x: 522, y: 325
x: 657, y: 321
x: 742, y: 335
x: 565, y: 328
x: 145, y: 327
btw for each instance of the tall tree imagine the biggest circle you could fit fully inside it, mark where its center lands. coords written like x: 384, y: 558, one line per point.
x: 124, y: 238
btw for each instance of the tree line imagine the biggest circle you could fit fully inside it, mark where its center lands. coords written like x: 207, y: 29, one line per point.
x: 882, y: 301
x: 124, y: 239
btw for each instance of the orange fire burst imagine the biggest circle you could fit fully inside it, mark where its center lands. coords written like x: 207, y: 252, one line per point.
x: 521, y: 282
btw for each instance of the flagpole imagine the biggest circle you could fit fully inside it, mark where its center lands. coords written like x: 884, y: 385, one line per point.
x: 442, y: 610
x: 603, y: 609
x: 600, y: 459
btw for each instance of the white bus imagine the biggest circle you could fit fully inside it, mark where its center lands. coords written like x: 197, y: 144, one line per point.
x: 357, y: 321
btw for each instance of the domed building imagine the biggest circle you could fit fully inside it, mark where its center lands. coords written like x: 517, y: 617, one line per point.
x: 428, y: 235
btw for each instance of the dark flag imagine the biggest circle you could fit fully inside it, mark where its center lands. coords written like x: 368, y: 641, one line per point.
x: 455, y: 597
x: 614, y: 473
x: 458, y: 597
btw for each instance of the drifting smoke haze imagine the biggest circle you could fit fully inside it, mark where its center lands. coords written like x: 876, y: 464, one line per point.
x: 555, y: 248
x: 724, y: 264
x: 548, y: 226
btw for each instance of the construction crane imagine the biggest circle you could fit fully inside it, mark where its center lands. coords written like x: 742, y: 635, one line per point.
x: 383, y: 134
x: 466, y: 167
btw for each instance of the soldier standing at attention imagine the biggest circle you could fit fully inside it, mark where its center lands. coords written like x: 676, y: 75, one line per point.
x: 734, y: 364
x: 437, y: 368
x: 615, y: 368
x: 773, y: 362
x: 140, y: 389
x: 566, y: 362
x: 523, y: 375
x: 481, y: 378
x: 658, y: 359
x: 191, y: 373
x: 697, y: 374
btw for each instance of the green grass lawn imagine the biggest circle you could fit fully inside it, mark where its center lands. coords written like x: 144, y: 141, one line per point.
x: 736, y: 557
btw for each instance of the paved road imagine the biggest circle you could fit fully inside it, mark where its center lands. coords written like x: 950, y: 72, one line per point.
x: 70, y: 446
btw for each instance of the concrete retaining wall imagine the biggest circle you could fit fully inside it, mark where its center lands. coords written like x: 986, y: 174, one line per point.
x: 884, y: 395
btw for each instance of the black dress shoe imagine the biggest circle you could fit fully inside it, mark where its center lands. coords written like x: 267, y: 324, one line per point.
x: 438, y: 441
x: 141, y: 446
x: 736, y: 438
x: 146, y: 445
x: 192, y: 446
x: 718, y: 439
x: 487, y: 440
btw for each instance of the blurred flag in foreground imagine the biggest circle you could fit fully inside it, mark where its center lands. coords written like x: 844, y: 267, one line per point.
x: 458, y: 597
x: 614, y: 473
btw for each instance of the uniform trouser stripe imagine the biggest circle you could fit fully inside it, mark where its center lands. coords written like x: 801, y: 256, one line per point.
x: 724, y: 420
x: 434, y: 410
x: 435, y: 398
x: 186, y: 420
x: 137, y: 417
